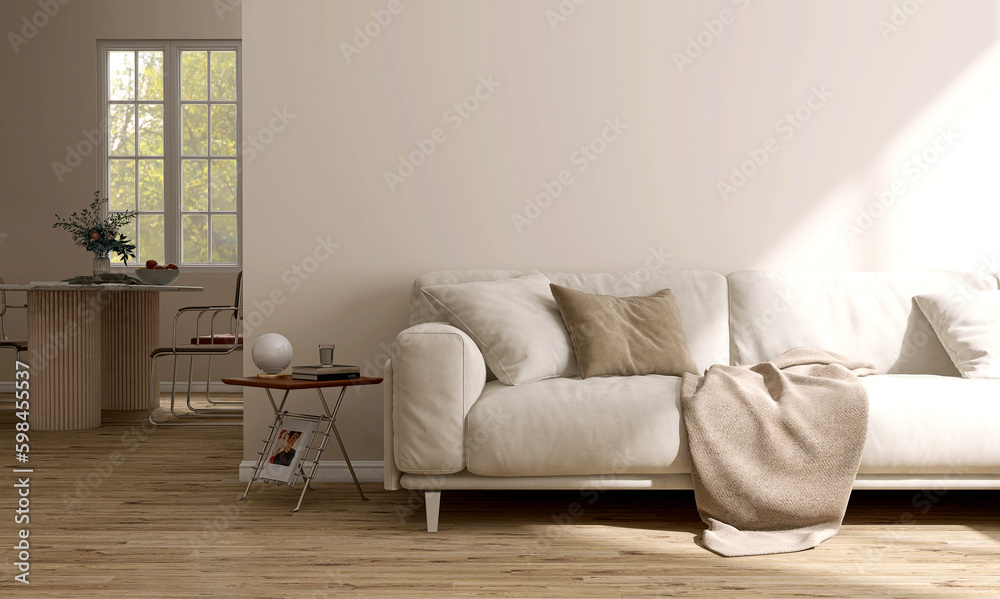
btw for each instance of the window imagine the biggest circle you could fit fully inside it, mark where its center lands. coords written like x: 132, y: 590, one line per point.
x: 172, y: 116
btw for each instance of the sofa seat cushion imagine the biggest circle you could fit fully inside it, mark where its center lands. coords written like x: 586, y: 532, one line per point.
x: 926, y: 424
x: 570, y: 426
x: 918, y: 424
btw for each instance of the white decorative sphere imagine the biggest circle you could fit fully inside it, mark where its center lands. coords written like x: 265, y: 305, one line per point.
x: 272, y: 353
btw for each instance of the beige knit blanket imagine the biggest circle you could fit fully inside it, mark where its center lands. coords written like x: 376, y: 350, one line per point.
x: 775, y: 449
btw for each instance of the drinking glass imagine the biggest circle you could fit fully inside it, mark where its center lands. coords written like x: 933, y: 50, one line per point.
x: 326, y: 354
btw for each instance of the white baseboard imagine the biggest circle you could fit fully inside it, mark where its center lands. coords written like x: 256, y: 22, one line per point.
x: 332, y: 471
x: 196, y: 387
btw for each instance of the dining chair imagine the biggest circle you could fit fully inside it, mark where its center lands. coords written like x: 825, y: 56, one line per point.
x: 18, y: 345
x: 210, y: 342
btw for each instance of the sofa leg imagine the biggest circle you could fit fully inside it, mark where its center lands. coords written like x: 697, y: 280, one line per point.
x: 432, y: 501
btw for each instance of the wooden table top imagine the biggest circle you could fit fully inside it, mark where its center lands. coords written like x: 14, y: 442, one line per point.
x: 289, y: 383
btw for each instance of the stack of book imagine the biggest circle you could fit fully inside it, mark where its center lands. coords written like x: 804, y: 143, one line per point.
x: 331, y: 372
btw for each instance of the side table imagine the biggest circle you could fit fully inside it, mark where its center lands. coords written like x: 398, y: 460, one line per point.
x: 329, y: 417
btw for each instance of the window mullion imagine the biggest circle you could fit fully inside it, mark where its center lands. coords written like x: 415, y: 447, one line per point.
x: 171, y: 156
x: 103, y: 165
x: 208, y: 150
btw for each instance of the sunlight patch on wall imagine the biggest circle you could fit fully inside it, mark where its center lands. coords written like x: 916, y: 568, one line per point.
x: 818, y: 241
x: 946, y: 170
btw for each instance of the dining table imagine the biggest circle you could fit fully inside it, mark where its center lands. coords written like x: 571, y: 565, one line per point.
x: 89, y: 349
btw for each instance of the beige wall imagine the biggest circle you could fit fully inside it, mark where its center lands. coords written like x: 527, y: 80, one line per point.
x: 655, y: 185
x: 48, y: 98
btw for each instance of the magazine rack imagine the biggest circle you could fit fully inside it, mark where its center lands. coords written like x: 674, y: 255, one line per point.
x: 306, y: 466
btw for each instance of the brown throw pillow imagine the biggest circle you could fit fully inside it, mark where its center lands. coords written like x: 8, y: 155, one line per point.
x: 624, y: 336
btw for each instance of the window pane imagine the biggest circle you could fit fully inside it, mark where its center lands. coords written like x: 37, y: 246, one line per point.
x: 151, y: 129
x: 121, y: 75
x: 150, y: 185
x: 151, y: 237
x: 194, y: 187
x: 129, y: 231
x: 194, y: 236
x: 194, y: 130
x: 223, y: 130
x: 223, y: 75
x: 121, y: 185
x: 121, y: 130
x: 224, y: 185
x: 194, y: 75
x: 151, y: 75
x: 223, y: 238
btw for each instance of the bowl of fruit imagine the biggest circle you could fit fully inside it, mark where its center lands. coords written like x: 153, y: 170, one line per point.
x: 157, y: 274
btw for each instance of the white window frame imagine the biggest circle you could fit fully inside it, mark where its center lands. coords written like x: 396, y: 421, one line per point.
x: 172, y: 139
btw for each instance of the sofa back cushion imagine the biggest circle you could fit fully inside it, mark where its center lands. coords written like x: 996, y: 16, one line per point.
x: 702, y: 297
x: 867, y: 316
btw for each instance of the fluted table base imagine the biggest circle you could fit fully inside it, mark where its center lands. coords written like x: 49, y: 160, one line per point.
x: 64, y: 352
x: 129, y: 332
x: 89, y: 350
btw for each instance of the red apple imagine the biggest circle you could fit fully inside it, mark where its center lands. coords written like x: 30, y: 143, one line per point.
x: 150, y: 263
x: 172, y: 266
x: 159, y: 267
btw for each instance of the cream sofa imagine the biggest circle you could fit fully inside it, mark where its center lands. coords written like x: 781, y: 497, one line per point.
x: 450, y: 425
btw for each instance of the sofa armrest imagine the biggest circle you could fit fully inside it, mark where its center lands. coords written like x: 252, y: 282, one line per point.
x: 437, y: 374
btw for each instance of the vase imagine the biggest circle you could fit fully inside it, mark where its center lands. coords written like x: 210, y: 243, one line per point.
x: 102, y: 265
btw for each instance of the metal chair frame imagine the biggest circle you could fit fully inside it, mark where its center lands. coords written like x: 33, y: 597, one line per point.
x: 211, y: 350
x: 5, y: 342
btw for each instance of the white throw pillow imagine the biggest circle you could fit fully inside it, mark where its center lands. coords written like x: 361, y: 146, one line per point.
x: 968, y: 325
x: 516, y: 324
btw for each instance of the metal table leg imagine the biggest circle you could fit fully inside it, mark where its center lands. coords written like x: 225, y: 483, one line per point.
x: 308, y: 478
x: 343, y: 451
x: 255, y: 475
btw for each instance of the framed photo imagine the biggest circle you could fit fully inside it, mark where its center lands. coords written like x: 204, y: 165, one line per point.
x: 281, y: 461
